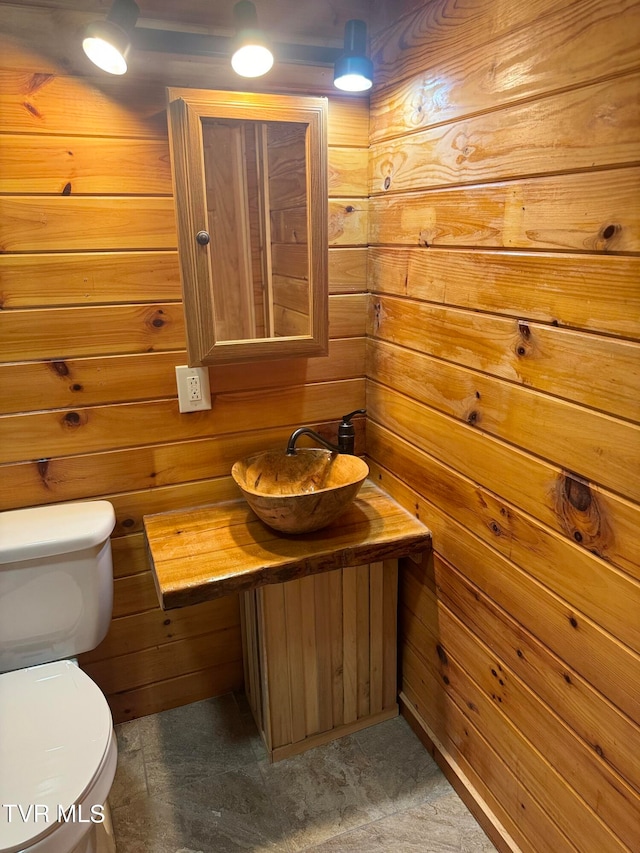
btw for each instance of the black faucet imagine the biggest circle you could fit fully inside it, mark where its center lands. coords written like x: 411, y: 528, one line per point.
x: 346, y: 436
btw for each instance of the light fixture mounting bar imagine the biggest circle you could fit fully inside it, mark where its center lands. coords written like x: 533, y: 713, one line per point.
x: 201, y: 44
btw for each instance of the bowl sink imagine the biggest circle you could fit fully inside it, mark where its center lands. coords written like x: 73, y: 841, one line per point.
x: 299, y: 493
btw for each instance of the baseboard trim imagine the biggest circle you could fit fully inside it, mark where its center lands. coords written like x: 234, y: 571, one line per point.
x: 469, y: 795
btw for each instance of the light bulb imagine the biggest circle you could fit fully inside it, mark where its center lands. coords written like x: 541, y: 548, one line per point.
x: 105, y: 55
x: 252, y: 60
x: 352, y: 83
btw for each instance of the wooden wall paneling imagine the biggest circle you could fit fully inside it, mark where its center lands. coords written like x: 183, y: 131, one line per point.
x: 348, y: 121
x: 537, y: 786
x: 348, y: 222
x: 488, y: 770
x: 534, y: 771
x: 292, y: 294
x: 451, y: 72
x: 504, y: 184
x: 584, y: 128
x: 85, y: 278
x: 347, y: 315
x: 130, y: 558
x: 596, y: 447
x: 66, y: 165
x: 599, y: 660
x: 154, y: 627
x: 111, y: 427
x: 601, y: 726
x: 63, y: 333
x: 348, y: 269
x: 133, y: 594
x: 149, y: 467
x: 173, y: 692
x: 67, y: 383
x: 344, y: 361
x: 45, y: 102
x: 413, y: 17
x: 534, y: 354
x: 53, y: 223
x: 596, y: 293
x: 539, y: 551
x: 138, y: 669
x: 476, y: 802
x: 348, y: 172
x: 159, y: 468
x: 605, y: 525
x: 593, y: 211
x: 455, y: 651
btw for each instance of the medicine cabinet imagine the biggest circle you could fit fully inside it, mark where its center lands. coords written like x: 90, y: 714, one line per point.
x: 250, y: 185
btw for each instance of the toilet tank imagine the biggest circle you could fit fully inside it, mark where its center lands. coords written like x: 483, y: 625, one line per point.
x: 56, y: 581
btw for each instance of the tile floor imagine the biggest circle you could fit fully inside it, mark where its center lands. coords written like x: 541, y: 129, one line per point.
x: 196, y: 780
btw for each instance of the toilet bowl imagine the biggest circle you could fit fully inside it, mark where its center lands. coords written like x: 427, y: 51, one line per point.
x: 58, y: 749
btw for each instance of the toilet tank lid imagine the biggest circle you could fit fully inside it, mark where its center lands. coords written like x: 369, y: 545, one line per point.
x: 44, y: 531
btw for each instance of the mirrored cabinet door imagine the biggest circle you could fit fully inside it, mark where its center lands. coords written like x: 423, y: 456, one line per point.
x: 250, y: 182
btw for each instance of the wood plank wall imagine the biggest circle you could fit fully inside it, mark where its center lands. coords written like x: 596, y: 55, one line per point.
x: 503, y: 397
x: 91, y: 328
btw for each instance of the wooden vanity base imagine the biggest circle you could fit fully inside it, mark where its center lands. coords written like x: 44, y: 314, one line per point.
x: 319, y: 610
x: 320, y: 655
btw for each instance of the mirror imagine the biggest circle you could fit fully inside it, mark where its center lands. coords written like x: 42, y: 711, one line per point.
x: 250, y: 183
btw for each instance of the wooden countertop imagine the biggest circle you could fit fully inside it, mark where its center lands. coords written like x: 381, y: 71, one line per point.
x: 209, y: 551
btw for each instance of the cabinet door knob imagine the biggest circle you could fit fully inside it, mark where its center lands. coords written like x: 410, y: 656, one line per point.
x: 203, y: 238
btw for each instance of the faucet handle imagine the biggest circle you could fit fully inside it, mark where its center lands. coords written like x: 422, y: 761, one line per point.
x: 346, y: 419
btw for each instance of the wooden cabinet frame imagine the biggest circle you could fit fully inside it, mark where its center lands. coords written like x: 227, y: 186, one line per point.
x: 187, y: 109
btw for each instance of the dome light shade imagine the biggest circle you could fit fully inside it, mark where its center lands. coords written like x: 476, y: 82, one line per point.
x: 251, y: 54
x: 107, y: 42
x: 353, y: 71
x: 353, y: 74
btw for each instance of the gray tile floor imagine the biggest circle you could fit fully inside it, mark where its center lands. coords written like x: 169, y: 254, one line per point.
x: 196, y: 780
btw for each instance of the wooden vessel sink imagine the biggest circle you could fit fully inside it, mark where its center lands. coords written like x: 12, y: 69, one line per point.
x: 302, y: 492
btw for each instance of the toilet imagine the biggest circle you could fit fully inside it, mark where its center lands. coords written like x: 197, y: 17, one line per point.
x: 57, y: 744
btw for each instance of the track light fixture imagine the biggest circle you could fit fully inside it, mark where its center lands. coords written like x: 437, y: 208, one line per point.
x: 354, y: 70
x: 107, y: 42
x: 251, y: 55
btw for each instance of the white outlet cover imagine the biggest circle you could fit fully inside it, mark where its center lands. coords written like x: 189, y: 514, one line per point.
x: 183, y: 372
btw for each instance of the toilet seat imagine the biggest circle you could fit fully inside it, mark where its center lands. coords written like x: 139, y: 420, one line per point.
x: 56, y: 737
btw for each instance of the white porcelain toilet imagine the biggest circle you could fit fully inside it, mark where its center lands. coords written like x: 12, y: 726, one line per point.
x: 57, y: 744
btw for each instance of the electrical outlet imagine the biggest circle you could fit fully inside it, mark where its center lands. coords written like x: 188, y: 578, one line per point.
x: 194, y: 390
x: 194, y: 394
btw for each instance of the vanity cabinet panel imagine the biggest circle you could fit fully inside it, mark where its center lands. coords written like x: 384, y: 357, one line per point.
x: 320, y: 655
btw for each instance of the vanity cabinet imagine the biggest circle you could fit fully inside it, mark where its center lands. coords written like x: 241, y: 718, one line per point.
x: 320, y: 655
x: 319, y: 610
